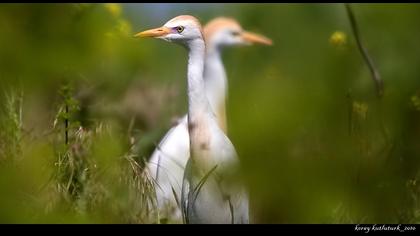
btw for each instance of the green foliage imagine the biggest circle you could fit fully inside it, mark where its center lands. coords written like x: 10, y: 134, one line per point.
x: 11, y: 127
x: 315, y: 143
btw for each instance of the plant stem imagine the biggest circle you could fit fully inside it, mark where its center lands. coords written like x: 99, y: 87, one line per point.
x: 373, y: 70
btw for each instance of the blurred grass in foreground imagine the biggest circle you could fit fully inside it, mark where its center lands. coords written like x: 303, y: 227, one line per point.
x: 315, y: 143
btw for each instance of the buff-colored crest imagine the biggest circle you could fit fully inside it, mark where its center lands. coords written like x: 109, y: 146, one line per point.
x: 220, y: 23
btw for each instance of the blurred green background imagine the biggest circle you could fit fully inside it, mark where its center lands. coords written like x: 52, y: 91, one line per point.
x: 315, y: 143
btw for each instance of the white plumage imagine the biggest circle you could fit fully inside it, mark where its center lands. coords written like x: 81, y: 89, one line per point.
x: 221, y: 199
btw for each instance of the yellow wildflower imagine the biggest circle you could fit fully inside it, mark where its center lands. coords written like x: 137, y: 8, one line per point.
x: 114, y: 8
x: 361, y: 109
x: 416, y: 102
x: 338, y: 38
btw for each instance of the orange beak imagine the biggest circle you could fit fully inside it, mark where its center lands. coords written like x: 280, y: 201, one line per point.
x: 154, y: 33
x: 256, y: 38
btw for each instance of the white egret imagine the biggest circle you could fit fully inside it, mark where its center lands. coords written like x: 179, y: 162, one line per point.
x: 168, y: 161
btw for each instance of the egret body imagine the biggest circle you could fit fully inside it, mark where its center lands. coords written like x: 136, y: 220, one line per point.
x: 168, y: 161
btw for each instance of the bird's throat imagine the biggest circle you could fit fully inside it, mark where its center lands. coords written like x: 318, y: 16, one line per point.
x: 199, y: 112
x: 198, y: 104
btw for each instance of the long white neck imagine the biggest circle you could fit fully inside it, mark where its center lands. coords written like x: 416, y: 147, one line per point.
x: 197, y: 101
x: 200, y: 115
x: 198, y: 106
x: 216, y: 84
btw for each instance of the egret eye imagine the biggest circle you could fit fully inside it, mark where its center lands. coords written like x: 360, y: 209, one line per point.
x: 235, y: 33
x: 179, y: 29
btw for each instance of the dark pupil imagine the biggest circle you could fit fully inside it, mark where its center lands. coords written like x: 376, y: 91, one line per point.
x: 179, y: 29
x: 235, y: 33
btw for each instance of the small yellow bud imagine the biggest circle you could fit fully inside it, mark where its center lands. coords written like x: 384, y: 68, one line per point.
x: 415, y: 100
x: 338, y: 38
x: 361, y: 109
x: 114, y: 9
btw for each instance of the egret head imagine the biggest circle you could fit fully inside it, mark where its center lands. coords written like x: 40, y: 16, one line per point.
x: 181, y: 29
x: 222, y: 31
